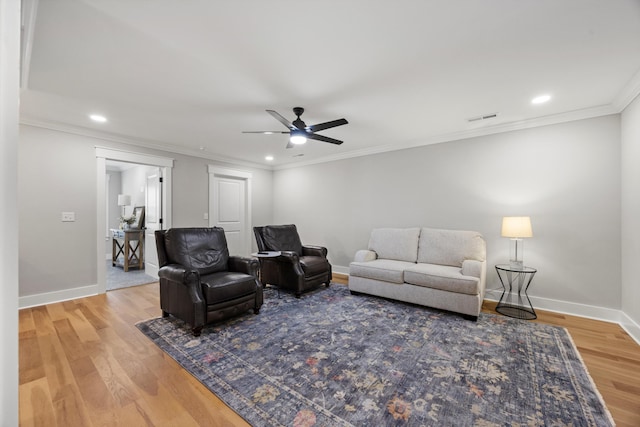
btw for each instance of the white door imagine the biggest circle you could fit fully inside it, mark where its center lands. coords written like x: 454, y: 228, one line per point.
x: 229, y: 208
x: 153, y: 220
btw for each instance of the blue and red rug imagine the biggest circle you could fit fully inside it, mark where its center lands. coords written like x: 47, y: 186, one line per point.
x: 333, y: 359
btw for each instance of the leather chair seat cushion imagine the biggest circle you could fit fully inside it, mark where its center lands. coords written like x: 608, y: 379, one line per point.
x: 314, y: 265
x: 225, y: 286
x: 282, y: 238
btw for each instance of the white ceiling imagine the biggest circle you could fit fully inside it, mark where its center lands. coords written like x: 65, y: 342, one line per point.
x: 190, y: 75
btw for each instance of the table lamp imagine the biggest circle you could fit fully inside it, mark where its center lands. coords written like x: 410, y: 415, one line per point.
x: 516, y: 227
x: 124, y: 200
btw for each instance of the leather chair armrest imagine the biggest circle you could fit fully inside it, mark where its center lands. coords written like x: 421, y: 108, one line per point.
x: 288, y: 256
x: 312, y: 250
x: 177, y: 273
x: 244, y: 265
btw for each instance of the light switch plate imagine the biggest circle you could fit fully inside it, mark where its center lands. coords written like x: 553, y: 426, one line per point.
x: 205, y: 216
x: 68, y: 216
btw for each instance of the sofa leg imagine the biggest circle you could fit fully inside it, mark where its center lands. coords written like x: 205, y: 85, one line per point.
x: 256, y: 310
x: 165, y: 314
x: 355, y: 292
x: 470, y: 317
x: 298, y: 294
x: 197, y: 331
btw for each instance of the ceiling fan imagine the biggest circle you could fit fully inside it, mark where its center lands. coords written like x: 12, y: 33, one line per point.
x: 299, y: 132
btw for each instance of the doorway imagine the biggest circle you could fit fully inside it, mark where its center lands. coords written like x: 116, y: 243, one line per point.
x: 130, y: 196
x: 142, y: 181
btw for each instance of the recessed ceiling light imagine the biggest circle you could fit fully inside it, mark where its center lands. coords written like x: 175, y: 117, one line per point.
x: 268, y: 158
x: 541, y: 99
x: 98, y: 118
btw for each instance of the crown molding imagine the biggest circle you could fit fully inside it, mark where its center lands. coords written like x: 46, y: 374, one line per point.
x: 628, y: 93
x: 150, y: 144
x: 587, y: 113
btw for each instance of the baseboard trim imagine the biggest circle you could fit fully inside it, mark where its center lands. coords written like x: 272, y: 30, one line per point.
x: 631, y: 327
x: 28, y: 301
x: 565, y: 307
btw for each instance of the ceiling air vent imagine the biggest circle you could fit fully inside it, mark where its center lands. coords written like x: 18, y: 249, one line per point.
x: 483, y: 117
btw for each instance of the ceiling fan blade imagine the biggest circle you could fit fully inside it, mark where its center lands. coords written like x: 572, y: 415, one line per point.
x: 281, y: 119
x: 324, y: 138
x: 265, y: 132
x: 327, y: 125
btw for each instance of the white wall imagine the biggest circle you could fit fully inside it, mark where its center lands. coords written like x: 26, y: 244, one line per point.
x: 9, y: 92
x: 134, y: 181
x: 566, y: 177
x: 631, y: 214
x: 57, y: 172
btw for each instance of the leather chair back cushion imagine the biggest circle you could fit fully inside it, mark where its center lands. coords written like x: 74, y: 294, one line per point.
x: 282, y: 238
x: 202, y: 249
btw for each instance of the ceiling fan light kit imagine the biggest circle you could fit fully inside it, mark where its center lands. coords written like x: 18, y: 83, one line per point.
x: 297, y: 137
x: 299, y: 132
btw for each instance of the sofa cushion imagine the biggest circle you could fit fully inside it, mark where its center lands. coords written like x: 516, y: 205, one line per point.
x: 386, y: 270
x: 395, y: 243
x: 282, y: 238
x: 450, y: 247
x: 444, y: 277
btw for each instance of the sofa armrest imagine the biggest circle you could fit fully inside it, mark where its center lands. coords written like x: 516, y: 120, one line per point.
x: 177, y: 273
x: 244, y: 265
x: 475, y: 268
x: 472, y: 267
x: 312, y: 250
x: 364, y: 255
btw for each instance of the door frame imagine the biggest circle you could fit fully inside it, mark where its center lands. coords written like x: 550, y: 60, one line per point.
x: 220, y: 172
x: 102, y: 155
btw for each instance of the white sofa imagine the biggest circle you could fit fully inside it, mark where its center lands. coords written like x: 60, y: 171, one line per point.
x: 444, y: 269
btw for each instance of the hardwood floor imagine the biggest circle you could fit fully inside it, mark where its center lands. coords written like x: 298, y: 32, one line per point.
x: 84, y: 363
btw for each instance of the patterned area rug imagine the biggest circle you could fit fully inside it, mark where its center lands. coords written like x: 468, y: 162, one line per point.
x: 333, y: 359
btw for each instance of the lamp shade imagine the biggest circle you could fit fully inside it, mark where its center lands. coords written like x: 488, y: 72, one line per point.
x: 124, y: 200
x: 516, y: 226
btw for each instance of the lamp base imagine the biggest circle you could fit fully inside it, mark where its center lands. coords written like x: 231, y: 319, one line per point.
x: 515, y: 264
x: 515, y: 253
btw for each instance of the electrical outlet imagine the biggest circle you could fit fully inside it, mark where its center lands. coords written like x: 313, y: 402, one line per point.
x: 68, y: 216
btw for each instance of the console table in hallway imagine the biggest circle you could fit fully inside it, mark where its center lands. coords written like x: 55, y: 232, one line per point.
x: 129, y: 244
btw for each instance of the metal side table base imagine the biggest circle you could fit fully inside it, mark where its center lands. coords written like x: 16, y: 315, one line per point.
x: 519, y: 305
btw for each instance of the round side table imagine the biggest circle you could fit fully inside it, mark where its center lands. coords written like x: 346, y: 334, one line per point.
x: 520, y: 277
x: 262, y: 255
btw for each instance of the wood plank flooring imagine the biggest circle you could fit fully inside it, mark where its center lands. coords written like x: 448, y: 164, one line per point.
x: 84, y: 363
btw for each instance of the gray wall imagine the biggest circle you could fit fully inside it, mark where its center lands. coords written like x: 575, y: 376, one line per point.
x: 631, y: 211
x: 566, y: 177
x: 57, y: 172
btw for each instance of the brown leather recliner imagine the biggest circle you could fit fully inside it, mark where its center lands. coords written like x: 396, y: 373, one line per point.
x: 299, y: 267
x: 199, y: 282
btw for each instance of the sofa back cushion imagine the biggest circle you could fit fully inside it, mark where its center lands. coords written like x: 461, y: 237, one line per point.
x: 395, y: 243
x: 202, y: 249
x: 450, y: 247
x: 282, y: 238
